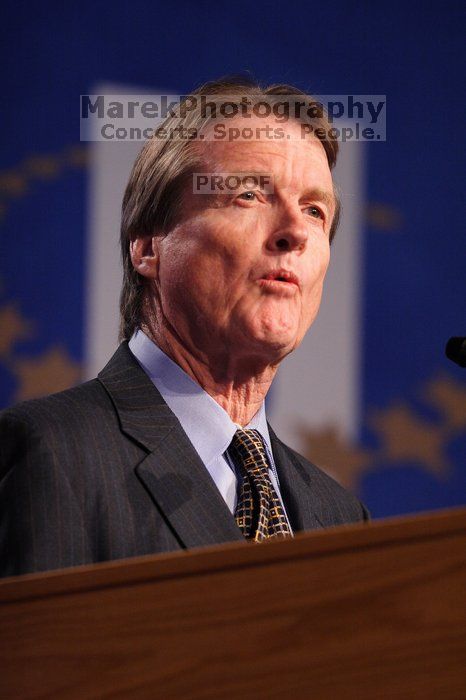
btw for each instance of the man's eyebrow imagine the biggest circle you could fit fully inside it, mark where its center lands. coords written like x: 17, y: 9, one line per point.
x: 324, y: 196
x: 244, y: 174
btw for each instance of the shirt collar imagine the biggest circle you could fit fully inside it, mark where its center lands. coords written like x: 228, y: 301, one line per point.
x: 207, y: 425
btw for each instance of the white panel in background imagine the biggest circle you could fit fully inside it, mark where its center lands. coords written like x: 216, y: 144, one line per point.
x: 319, y: 383
x: 110, y: 166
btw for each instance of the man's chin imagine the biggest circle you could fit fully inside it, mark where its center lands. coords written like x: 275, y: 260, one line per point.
x: 272, y: 346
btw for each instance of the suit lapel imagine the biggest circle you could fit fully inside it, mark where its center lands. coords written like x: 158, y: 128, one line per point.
x: 296, y: 487
x: 172, y: 472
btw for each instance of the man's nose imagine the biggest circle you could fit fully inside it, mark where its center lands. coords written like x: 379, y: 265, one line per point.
x: 290, y: 230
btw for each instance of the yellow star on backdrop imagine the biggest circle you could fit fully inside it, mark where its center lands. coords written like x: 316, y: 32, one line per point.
x: 42, y: 166
x: 13, y: 327
x: 449, y: 397
x: 405, y: 437
x: 13, y: 183
x: 384, y: 217
x: 53, y: 371
x: 77, y: 156
x: 338, y: 457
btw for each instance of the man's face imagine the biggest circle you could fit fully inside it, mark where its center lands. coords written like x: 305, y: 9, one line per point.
x: 241, y: 274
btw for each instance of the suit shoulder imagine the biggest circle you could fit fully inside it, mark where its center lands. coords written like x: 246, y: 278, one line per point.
x: 59, y: 429
x: 72, y: 404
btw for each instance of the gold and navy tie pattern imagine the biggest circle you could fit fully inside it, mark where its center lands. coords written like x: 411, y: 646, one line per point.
x: 259, y: 512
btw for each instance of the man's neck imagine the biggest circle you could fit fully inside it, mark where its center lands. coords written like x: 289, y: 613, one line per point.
x: 238, y: 386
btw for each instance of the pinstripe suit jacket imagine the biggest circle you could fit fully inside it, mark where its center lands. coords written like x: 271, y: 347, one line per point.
x: 105, y: 471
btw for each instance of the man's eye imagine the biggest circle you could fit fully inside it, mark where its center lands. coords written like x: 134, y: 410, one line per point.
x: 248, y: 196
x: 315, y: 212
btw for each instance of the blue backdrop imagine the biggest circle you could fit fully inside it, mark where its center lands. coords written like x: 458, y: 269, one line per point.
x: 412, y: 449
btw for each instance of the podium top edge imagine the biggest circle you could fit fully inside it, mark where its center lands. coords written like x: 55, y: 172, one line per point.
x: 224, y: 557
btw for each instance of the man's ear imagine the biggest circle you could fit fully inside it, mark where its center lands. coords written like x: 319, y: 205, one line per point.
x: 144, y: 256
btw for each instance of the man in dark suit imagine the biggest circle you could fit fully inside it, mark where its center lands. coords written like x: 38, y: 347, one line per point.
x: 169, y: 447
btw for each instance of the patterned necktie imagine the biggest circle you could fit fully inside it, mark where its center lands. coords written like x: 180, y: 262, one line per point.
x: 259, y: 512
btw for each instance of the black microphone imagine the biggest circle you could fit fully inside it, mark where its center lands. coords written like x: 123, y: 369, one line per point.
x: 455, y: 350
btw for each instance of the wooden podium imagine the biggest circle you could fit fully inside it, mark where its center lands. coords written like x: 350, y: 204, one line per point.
x: 367, y: 611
